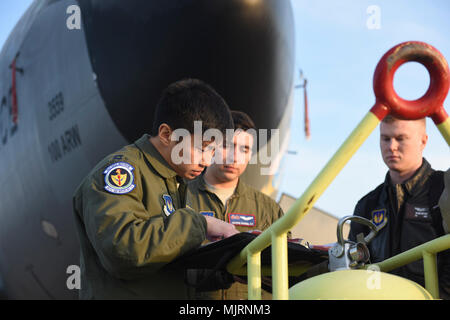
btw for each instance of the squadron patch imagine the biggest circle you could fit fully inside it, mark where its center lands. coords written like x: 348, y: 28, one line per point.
x: 379, y: 218
x: 168, y: 205
x: 242, y: 219
x: 119, y: 178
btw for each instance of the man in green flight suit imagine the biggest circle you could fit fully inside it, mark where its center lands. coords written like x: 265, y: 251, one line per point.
x: 221, y: 194
x: 130, y: 209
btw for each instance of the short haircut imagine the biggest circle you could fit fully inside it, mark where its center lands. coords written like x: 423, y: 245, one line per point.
x: 189, y: 100
x: 242, y: 120
x: 390, y: 119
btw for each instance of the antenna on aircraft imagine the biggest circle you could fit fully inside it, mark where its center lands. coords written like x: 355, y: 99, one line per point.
x: 303, y: 85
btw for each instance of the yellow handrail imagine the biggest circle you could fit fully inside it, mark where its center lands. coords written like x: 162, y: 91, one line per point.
x: 444, y: 129
x: 427, y: 251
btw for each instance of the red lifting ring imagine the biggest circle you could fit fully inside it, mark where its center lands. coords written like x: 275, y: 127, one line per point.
x: 431, y: 103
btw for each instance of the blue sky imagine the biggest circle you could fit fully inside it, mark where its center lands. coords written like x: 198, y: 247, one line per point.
x: 10, y: 13
x: 338, y: 54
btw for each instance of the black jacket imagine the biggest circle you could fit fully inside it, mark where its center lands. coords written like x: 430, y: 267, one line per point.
x: 406, y: 216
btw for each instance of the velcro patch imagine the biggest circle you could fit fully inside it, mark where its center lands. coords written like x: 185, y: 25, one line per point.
x: 207, y: 213
x: 419, y: 213
x: 379, y: 218
x: 242, y: 219
x: 168, y: 205
x: 119, y: 178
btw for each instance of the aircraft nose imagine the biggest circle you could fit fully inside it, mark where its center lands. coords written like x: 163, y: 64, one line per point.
x: 243, y: 48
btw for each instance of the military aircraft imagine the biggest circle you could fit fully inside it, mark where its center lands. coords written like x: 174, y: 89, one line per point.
x: 80, y: 79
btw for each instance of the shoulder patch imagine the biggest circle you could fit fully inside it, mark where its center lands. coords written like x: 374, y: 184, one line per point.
x: 379, y: 218
x: 119, y: 178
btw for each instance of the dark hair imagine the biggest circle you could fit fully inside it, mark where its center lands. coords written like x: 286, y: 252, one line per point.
x: 189, y: 100
x: 242, y: 120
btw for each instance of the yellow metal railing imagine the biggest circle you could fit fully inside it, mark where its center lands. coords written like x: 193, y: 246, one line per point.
x: 276, y: 235
x: 427, y: 252
x: 444, y: 129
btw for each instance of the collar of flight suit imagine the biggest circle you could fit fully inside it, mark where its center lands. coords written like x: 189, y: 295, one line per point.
x: 154, y: 157
x: 238, y: 191
x: 413, y: 185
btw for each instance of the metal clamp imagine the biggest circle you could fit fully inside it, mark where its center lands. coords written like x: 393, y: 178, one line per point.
x: 345, y: 254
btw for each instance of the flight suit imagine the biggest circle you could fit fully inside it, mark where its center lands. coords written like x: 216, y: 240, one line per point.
x: 406, y: 215
x: 131, y: 221
x: 248, y: 209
